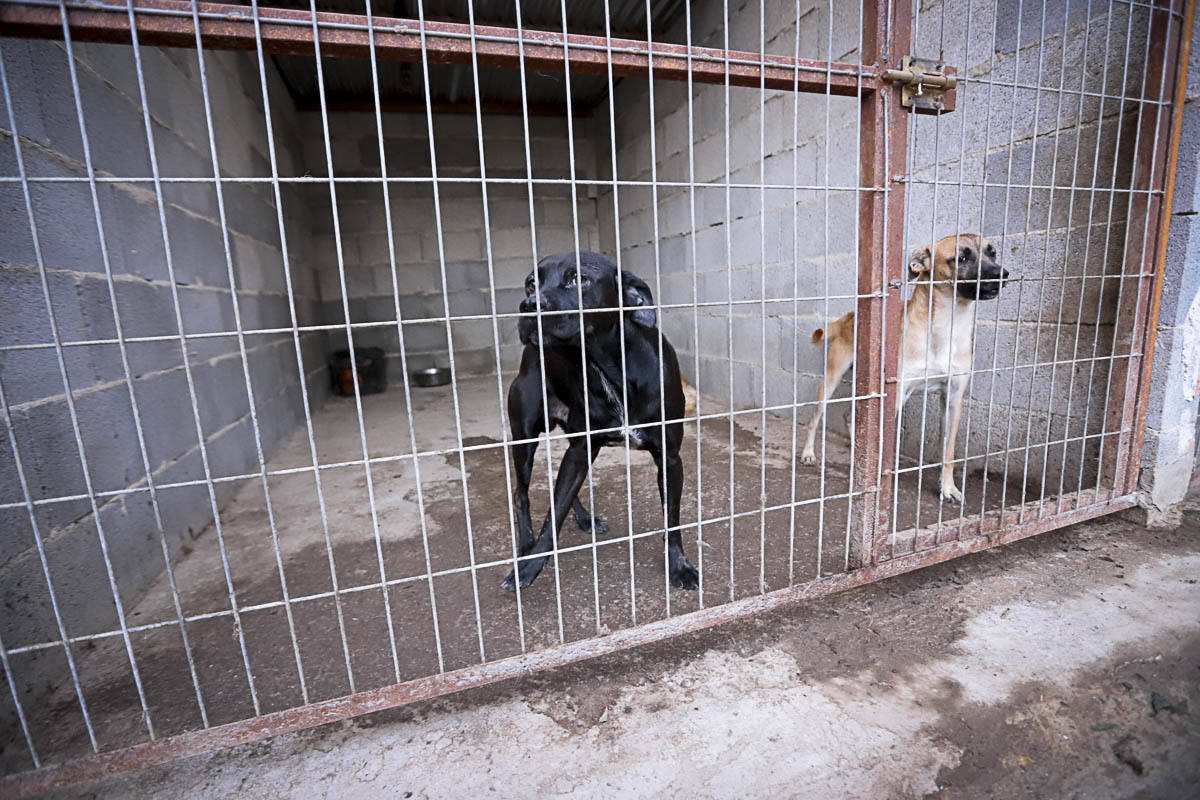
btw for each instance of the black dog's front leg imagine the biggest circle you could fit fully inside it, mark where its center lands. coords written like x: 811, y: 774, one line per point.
x: 522, y: 456
x: 683, y: 574
x: 566, y: 487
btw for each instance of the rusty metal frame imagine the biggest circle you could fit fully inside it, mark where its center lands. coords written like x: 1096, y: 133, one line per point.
x: 184, y: 745
x: 1154, y: 170
x: 880, y: 257
x: 1180, y: 52
x: 169, y: 23
x: 880, y: 251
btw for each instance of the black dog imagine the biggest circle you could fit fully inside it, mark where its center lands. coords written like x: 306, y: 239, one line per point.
x: 561, y: 281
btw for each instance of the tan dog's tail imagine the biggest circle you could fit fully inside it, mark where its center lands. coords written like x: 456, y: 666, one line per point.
x: 818, y: 335
x: 689, y: 397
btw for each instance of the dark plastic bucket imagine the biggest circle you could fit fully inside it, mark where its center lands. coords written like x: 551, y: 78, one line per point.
x: 372, y: 371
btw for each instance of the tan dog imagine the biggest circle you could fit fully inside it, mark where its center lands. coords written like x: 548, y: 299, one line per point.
x: 938, y: 346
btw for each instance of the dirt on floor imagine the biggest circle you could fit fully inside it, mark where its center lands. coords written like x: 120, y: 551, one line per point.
x: 1066, y: 665
x: 766, y: 522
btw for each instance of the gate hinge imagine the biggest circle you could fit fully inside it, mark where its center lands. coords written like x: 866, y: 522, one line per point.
x: 928, y: 85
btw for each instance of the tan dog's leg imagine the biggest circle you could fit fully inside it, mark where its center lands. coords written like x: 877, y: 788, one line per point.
x: 955, y: 388
x: 841, y: 356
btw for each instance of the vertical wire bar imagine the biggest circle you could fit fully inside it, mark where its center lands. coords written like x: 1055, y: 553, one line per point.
x: 858, y: 195
x: 241, y: 339
x: 437, y: 219
x: 341, y: 267
x: 33, y: 523
x: 729, y: 287
x: 795, y: 302
x: 408, y: 407
x: 1112, y: 195
x: 541, y: 339
x: 142, y: 450
x: 237, y: 317
x: 974, y: 333
x: 164, y: 233
x: 931, y: 304
x: 762, y: 273
x: 612, y: 134
x: 695, y: 306
x: 972, y: 325
x: 1087, y: 230
x: 1122, y: 277
x: 12, y: 690
x: 825, y: 296
x: 903, y: 389
x: 349, y: 343
x: 662, y: 402
x: 1004, y: 451
x: 1062, y: 77
x: 69, y: 393
x: 1012, y: 388
x: 487, y: 239
x: 937, y: 122
x: 987, y: 148
x: 587, y: 409
x: 292, y: 315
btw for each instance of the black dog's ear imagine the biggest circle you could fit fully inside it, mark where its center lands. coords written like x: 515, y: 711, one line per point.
x: 920, y: 261
x: 637, y: 293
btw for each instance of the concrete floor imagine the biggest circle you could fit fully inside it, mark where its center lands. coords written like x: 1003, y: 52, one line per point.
x: 597, y: 591
x: 1067, y: 665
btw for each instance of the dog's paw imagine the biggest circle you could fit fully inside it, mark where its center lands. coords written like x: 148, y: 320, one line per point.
x: 951, y: 494
x: 527, y: 571
x: 685, y: 576
x: 596, y: 525
x: 808, y: 458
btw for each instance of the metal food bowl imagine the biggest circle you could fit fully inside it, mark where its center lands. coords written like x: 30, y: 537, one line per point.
x: 431, y: 376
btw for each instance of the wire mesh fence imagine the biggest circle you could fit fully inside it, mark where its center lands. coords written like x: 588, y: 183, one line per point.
x: 852, y: 339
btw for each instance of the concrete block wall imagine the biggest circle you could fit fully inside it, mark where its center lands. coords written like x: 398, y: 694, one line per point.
x: 784, y: 244
x: 1171, y: 455
x: 51, y: 144
x: 764, y: 267
x: 465, y: 290
x: 1066, y: 244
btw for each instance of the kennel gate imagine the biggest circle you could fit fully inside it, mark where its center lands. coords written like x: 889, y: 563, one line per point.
x: 880, y: 537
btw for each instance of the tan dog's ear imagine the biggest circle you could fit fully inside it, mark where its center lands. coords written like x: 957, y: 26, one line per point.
x: 920, y: 261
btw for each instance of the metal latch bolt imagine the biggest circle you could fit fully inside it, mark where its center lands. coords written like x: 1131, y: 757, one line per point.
x: 927, y: 86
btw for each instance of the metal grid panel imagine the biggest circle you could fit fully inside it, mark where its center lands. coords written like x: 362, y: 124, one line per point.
x: 428, y: 617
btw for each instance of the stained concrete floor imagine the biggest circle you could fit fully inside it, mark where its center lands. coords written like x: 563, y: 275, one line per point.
x: 1066, y: 665
x: 596, y: 588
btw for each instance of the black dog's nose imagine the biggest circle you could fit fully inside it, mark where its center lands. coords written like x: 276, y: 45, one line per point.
x: 1004, y: 275
x: 528, y: 305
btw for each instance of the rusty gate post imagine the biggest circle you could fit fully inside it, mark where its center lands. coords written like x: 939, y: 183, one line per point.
x: 1136, y: 314
x: 882, y: 155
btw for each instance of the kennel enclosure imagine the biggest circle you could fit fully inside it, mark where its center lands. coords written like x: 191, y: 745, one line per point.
x: 203, y: 546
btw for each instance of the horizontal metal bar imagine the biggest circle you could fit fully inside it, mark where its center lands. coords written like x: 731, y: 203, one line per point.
x: 1008, y: 84
x: 424, y: 179
x: 1001, y: 527
x: 147, y: 754
x: 1099, y: 190
x: 391, y: 323
x: 231, y: 27
x: 441, y: 573
x: 428, y: 179
x: 720, y: 415
x: 1011, y: 450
